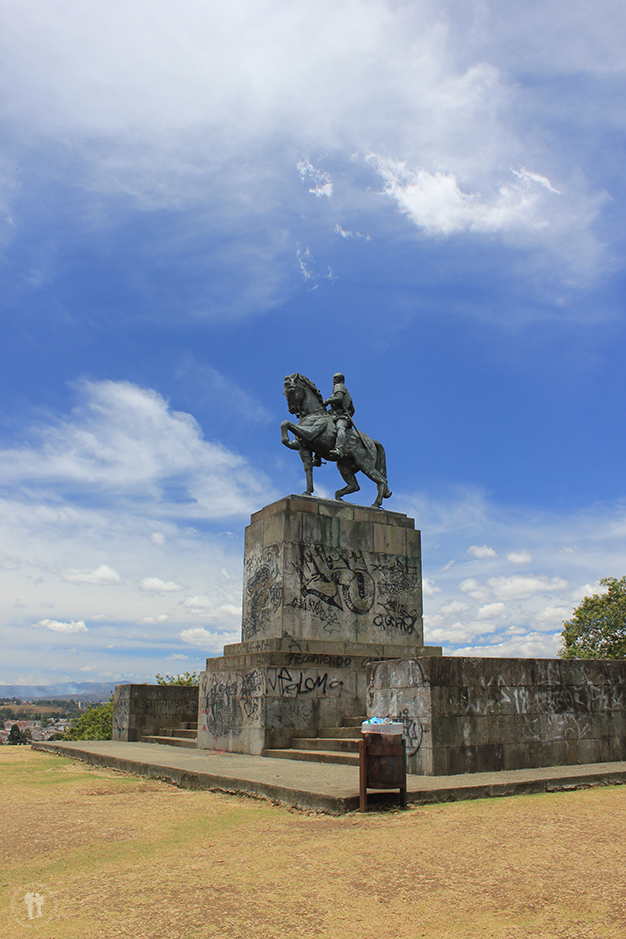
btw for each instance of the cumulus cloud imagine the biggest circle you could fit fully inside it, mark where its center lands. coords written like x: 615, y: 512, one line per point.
x: 429, y: 587
x: 481, y: 551
x: 210, y: 607
x: 437, y: 204
x: 457, y: 606
x: 512, y: 614
x: 103, y: 576
x: 521, y: 586
x: 59, y: 627
x: 519, y: 557
x: 207, y: 639
x: 156, y: 585
x: 490, y: 610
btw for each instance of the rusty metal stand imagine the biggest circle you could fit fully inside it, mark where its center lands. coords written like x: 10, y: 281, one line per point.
x: 382, y: 765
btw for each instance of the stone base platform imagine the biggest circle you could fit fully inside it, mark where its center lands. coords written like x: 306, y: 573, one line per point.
x: 319, y: 787
x: 260, y: 695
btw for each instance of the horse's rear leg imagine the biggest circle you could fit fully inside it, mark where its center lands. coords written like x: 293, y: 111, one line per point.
x: 307, y: 462
x: 384, y: 492
x: 351, y: 484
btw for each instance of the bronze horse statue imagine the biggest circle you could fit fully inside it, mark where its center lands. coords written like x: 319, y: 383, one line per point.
x: 315, y: 436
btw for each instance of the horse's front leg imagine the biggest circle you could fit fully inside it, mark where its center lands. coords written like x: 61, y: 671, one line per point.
x: 285, y: 427
x: 349, y: 477
x: 307, y: 462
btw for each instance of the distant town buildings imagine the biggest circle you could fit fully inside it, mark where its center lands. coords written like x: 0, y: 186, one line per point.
x: 36, y: 728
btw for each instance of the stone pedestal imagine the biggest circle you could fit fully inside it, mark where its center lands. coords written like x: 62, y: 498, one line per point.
x: 328, y: 588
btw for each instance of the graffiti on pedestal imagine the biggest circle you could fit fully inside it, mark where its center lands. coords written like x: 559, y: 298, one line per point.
x: 262, y: 591
x: 291, y: 683
x: 339, y: 579
x: 396, y: 617
x: 231, y: 701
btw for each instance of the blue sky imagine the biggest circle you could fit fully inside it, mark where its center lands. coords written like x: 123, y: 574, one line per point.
x: 200, y: 199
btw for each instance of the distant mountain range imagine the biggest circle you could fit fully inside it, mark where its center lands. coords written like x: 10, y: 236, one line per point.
x: 81, y: 690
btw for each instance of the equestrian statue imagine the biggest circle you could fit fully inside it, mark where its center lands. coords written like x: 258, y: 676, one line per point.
x: 332, y: 435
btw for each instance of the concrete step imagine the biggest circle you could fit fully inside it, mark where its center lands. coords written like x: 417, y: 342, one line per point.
x: 177, y: 732
x: 338, y: 744
x: 172, y: 741
x: 315, y: 756
x: 351, y: 733
x: 353, y: 721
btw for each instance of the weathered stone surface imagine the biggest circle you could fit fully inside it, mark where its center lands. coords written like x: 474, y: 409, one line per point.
x: 328, y: 589
x: 465, y: 715
x: 141, y: 710
x: 315, y: 572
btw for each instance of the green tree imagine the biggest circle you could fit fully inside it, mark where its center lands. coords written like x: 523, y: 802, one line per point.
x: 597, y: 629
x: 17, y: 736
x: 190, y: 679
x: 96, y: 723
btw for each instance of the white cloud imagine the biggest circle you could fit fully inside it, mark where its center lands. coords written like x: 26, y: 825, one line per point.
x: 103, y: 576
x: 158, y: 537
x: 98, y: 617
x: 552, y: 615
x: 190, y: 113
x: 475, y: 589
x: 323, y: 184
x: 207, y: 639
x: 350, y: 234
x: 588, y: 590
x: 535, y: 605
x: 457, y: 606
x: 126, y: 442
x: 481, y: 551
x: 436, y: 203
x: 429, y: 588
x: 527, y: 177
x: 490, y: 610
x: 156, y: 585
x: 58, y: 627
x: 211, y: 607
x: 531, y: 645
x: 519, y: 557
x: 522, y: 586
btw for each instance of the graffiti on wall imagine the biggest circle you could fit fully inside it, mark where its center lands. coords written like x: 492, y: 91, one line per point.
x: 291, y: 683
x: 400, y: 690
x: 338, y: 579
x: 231, y: 701
x: 262, y: 592
x: 121, y: 717
x: 342, y: 580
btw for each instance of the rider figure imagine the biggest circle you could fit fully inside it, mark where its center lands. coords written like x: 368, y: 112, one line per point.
x: 342, y: 410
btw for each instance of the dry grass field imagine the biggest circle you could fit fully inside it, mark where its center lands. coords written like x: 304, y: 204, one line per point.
x: 116, y: 856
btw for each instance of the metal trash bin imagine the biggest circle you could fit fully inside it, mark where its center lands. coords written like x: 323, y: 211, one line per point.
x: 382, y: 760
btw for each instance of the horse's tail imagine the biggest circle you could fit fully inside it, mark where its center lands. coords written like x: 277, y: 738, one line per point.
x: 381, y: 458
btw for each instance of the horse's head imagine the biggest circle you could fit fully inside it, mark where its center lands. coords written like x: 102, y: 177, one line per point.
x: 301, y: 394
x: 293, y: 391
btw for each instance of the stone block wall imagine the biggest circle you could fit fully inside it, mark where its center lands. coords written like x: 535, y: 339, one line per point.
x: 250, y: 703
x: 466, y: 715
x: 141, y: 710
x: 321, y: 570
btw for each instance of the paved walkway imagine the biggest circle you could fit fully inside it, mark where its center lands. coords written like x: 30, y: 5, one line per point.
x: 321, y: 787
